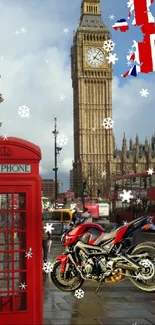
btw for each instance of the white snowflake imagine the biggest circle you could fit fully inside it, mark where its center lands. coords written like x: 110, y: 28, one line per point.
x: 126, y: 196
x: 112, y: 17
x: 108, y: 123
x: 144, y: 92
x: 150, y: 171
x: 23, y: 30
x: 129, y: 63
x: 48, y: 227
x: 129, y: 3
x: 62, y: 97
x: 48, y: 267
x: 5, y: 137
x: 125, y: 223
x: 46, y: 61
x: 103, y: 174
x: 130, y: 52
x: 135, y: 323
x: 24, y: 111
x: 139, y: 201
x: 109, y: 45
x: 2, y: 57
x: 23, y: 286
x: 112, y: 58
x: 79, y: 293
x: 62, y: 140
x: 66, y: 30
x: 29, y: 253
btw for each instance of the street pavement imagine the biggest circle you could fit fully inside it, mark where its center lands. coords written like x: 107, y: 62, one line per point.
x: 114, y: 304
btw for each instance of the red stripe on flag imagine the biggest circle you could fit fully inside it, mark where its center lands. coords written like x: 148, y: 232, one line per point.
x: 145, y: 55
x: 141, y: 15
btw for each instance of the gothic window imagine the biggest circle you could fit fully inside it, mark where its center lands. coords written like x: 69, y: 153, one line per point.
x: 92, y: 21
x: 87, y: 37
x: 90, y: 38
x: 87, y: 8
x: 91, y: 9
x: 96, y: 9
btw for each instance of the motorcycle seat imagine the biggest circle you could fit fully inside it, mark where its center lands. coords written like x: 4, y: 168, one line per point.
x: 106, y: 236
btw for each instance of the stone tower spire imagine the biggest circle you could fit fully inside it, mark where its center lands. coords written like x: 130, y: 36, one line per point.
x: 146, y: 144
x: 114, y: 143
x: 124, y: 145
x: 137, y: 141
x: 130, y: 145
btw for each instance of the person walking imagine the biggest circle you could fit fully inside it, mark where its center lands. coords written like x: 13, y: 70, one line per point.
x: 46, y: 237
x: 76, y: 215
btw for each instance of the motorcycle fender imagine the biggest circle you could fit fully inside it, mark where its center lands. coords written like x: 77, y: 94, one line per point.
x: 63, y: 259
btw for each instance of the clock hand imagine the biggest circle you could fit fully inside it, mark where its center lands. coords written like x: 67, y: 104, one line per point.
x: 96, y: 55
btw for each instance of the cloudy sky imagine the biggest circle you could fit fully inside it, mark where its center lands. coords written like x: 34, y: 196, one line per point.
x: 35, y: 71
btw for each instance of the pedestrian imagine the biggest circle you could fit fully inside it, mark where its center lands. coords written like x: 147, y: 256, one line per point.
x: 46, y: 237
x: 76, y: 215
x: 118, y: 220
x: 87, y: 216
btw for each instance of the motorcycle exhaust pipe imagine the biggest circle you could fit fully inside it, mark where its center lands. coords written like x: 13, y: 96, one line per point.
x: 127, y: 267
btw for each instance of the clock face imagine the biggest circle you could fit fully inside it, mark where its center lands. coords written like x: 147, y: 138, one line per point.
x: 94, y: 57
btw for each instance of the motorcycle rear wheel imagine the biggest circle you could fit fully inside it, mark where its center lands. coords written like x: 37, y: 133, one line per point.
x: 60, y: 283
x: 143, y: 285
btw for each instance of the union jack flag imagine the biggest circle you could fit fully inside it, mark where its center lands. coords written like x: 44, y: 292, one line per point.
x: 144, y: 55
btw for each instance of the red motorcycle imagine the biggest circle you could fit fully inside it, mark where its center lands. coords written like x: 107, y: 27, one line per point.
x: 92, y: 254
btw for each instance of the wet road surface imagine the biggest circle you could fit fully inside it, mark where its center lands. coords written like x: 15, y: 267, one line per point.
x: 119, y: 304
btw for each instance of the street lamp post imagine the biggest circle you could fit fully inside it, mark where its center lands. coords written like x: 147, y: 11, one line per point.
x: 56, y: 153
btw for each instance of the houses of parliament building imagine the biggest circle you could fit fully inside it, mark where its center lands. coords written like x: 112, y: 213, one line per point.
x: 94, y: 146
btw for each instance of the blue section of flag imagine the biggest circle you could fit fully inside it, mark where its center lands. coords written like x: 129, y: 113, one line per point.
x: 134, y: 71
x: 121, y: 20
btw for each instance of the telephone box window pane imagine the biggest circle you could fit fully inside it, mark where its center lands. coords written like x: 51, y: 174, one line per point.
x: 20, y: 220
x: 5, y: 261
x: 6, y: 283
x: 6, y: 220
x: 5, y: 201
x: 20, y: 281
x: 20, y: 201
x: 19, y: 261
x: 7, y: 238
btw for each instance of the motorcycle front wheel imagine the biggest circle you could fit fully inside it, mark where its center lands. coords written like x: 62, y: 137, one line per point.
x: 73, y: 283
x: 147, y: 284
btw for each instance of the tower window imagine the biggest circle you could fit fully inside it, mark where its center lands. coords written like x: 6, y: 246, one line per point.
x: 92, y: 21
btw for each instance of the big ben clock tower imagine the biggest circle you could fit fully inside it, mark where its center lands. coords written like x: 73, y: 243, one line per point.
x: 92, y: 100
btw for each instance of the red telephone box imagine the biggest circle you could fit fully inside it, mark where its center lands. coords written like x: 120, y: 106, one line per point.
x: 20, y: 233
